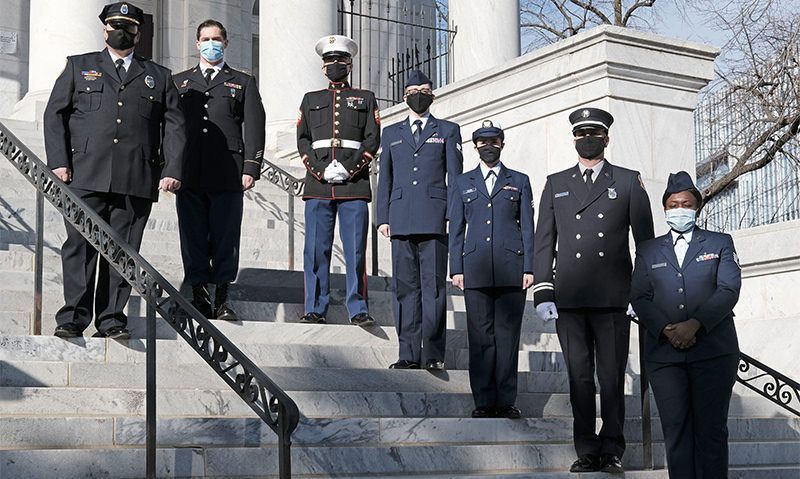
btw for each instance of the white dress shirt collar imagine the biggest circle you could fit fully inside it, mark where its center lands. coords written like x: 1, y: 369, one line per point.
x: 687, y: 236
x: 126, y: 61
x: 205, y: 66
x: 423, y: 119
x: 596, y: 169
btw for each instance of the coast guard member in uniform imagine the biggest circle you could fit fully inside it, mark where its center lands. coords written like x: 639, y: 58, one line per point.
x: 491, y: 259
x: 338, y: 134
x: 222, y: 162
x: 115, y: 133
x: 585, y: 213
x: 416, y: 156
x: 685, y: 285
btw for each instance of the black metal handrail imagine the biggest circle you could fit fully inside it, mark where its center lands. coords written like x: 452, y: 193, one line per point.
x: 773, y: 385
x: 238, y: 371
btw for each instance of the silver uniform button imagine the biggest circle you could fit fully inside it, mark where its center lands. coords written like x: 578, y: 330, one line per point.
x: 116, y: 140
x: 488, y: 222
x: 578, y: 216
x: 488, y: 238
x: 600, y: 215
x: 122, y: 87
x: 119, y: 103
x: 205, y: 130
x: 205, y: 106
x: 601, y: 254
x: 600, y: 234
x: 578, y: 236
x: 119, y: 120
x: 205, y: 118
x: 416, y: 169
x: 680, y: 290
x: 208, y: 94
x: 489, y: 205
x: 577, y: 255
x: 414, y: 182
x: 680, y: 306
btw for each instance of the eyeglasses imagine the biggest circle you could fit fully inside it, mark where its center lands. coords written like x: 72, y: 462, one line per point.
x: 424, y: 91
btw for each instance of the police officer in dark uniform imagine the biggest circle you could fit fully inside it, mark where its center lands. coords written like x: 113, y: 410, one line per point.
x: 115, y: 133
x: 685, y: 285
x: 222, y: 162
x: 491, y: 259
x: 585, y: 213
x: 416, y: 156
x: 338, y: 134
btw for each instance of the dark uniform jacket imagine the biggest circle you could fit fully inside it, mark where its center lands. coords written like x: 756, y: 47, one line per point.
x: 412, y: 193
x: 118, y: 138
x: 329, y: 117
x: 705, y: 288
x: 491, y: 236
x: 590, y: 233
x: 218, y: 152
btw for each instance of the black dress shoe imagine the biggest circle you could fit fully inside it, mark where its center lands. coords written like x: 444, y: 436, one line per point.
x: 482, y: 412
x: 117, y: 332
x: 362, y: 319
x: 508, y: 412
x: 404, y: 364
x: 201, y: 300
x: 434, y: 365
x: 68, y: 330
x: 612, y: 464
x: 586, y: 463
x: 313, y: 318
x: 225, y: 313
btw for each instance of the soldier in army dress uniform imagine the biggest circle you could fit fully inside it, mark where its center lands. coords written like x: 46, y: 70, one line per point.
x: 338, y: 134
x: 115, y: 133
x: 585, y: 213
x: 225, y: 121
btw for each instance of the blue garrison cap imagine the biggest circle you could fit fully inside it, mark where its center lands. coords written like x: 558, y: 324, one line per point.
x: 681, y: 181
x: 590, y: 118
x: 416, y: 77
x: 488, y: 129
x: 122, y: 12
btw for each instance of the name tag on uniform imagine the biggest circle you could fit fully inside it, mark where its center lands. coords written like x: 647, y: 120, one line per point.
x: 512, y: 188
x: 396, y: 142
x: 706, y: 257
x: 612, y: 193
x: 658, y: 265
x: 435, y: 139
x: 562, y: 194
x: 471, y: 190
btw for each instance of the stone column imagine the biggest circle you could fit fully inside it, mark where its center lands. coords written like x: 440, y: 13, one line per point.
x: 288, y: 64
x: 488, y: 35
x: 57, y: 29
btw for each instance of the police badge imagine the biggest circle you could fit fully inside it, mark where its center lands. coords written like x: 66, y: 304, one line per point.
x: 612, y: 193
x: 124, y: 9
x: 149, y: 81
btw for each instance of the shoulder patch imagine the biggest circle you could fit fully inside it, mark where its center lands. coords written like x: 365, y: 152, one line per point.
x: 641, y: 183
x: 377, y: 116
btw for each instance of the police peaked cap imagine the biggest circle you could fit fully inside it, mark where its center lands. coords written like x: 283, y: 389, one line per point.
x: 416, y: 78
x: 488, y: 129
x: 124, y: 12
x: 590, y: 118
x: 336, y: 45
x: 681, y: 181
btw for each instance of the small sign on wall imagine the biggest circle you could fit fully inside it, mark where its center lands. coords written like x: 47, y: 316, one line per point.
x: 8, y: 42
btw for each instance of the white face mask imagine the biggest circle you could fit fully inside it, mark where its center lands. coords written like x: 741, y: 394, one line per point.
x: 681, y: 219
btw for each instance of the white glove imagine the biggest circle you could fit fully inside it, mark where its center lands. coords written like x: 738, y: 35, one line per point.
x: 335, y: 172
x: 547, y: 311
x: 631, y: 312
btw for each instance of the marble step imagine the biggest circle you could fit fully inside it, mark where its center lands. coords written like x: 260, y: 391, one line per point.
x: 326, y: 461
x: 96, y: 402
x: 72, y: 432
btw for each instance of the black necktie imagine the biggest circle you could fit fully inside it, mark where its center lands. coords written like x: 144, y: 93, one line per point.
x: 588, y: 174
x: 121, y: 72
x: 209, y: 72
x: 417, y: 131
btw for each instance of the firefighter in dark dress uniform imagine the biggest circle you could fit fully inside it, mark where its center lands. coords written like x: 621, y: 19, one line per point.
x: 225, y: 122
x: 115, y: 133
x: 338, y: 134
x: 585, y: 213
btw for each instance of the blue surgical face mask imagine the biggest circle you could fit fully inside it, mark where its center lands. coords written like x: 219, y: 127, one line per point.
x: 212, y: 50
x: 681, y: 219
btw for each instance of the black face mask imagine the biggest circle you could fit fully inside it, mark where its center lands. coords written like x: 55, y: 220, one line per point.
x: 590, y: 147
x: 489, y: 154
x: 120, y: 39
x: 336, y: 72
x: 419, y: 102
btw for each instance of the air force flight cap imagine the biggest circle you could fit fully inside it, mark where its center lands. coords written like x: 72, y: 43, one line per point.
x: 416, y: 78
x: 681, y: 181
x: 488, y: 129
x: 336, y: 45
x: 122, y: 12
x: 590, y: 118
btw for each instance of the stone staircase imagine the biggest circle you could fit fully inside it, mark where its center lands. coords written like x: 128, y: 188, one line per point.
x: 77, y: 408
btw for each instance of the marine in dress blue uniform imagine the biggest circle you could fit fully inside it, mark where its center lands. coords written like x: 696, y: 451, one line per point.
x: 419, y: 155
x: 338, y: 134
x: 225, y: 122
x: 114, y: 132
x: 685, y: 285
x: 585, y: 214
x: 491, y: 259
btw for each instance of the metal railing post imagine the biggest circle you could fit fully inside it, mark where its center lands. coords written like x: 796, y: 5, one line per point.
x: 644, y: 390
x: 290, y: 212
x: 38, y: 265
x: 151, y: 387
x: 284, y: 448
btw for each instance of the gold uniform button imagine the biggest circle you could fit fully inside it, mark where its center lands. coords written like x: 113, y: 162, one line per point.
x: 338, y: 98
x: 336, y: 132
x: 116, y: 140
x: 336, y: 113
x: 336, y: 122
